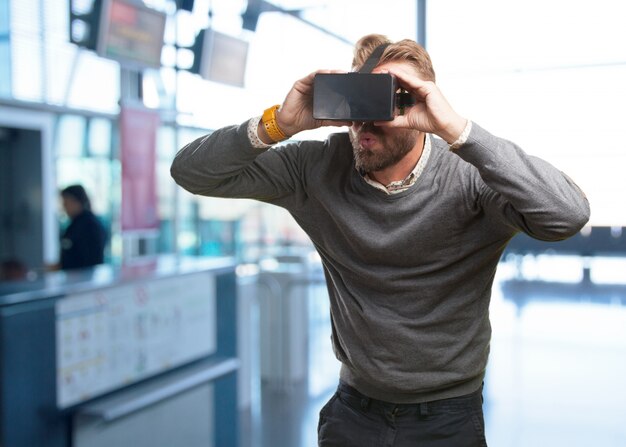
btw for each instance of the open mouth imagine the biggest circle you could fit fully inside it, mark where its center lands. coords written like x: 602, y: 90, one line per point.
x: 367, y: 140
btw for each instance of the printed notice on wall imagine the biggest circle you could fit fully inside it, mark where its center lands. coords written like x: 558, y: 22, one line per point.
x: 112, y: 337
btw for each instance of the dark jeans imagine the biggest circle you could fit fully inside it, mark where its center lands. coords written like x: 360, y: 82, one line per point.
x: 350, y: 419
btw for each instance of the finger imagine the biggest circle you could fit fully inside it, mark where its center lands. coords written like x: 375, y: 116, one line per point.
x: 331, y: 71
x: 309, y: 79
x: 398, y: 121
x: 411, y: 82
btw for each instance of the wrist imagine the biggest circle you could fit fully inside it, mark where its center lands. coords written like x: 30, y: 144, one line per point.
x: 257, y: 135
x: 453, y: 130
x: 271, y: 129
x: 284, y: 127
x: 463, y: 137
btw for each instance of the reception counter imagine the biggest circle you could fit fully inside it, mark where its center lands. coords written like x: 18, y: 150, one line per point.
x: 134, y: 355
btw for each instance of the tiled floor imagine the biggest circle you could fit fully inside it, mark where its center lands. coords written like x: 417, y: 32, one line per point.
x: 557, y: 371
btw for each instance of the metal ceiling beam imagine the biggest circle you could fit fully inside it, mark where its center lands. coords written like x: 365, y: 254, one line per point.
x: 257, y: 7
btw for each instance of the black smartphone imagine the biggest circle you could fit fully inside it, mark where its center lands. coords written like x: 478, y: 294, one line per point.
x: 354, y: 96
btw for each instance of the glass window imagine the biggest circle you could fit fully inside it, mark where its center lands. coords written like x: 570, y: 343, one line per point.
x: 5, y: 67
x: 166, y: 143
x: 5, y: 50
x: 352, y: 19
x: 187, y: 231
x: 44, y: 66
x: 4, y: 17
x: 70, y: 136
x: 542, y: 74
x: 96, y: 84
x: 166, y: 188
x: 26, y: 50
x: 59, y: 78
x: 100, y: 137
x: 27, y: 68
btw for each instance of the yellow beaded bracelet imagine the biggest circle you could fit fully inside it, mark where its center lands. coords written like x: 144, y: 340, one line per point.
x: 271, y: 126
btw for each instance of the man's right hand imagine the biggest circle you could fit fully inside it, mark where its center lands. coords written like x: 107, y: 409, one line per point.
x: 296, y: 113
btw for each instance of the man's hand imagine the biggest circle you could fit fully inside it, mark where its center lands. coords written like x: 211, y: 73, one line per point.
x: 431, y: 113
x: 296, y: 113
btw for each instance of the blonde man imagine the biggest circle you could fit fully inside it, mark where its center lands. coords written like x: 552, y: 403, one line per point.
x: 410, y: 217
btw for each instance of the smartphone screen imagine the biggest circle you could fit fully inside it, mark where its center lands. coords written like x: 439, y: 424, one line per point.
x: 354, y: 96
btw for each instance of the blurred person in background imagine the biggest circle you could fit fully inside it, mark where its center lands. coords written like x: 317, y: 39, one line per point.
x: 84, y: 240
x: 410, y: 218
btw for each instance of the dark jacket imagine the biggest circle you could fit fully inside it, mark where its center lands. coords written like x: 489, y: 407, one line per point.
x: 82, y: 243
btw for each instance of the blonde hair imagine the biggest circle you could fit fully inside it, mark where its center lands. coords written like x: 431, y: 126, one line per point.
x: 405, y: 51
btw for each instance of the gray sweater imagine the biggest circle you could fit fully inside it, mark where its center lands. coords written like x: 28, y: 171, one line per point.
x: 409, y: 275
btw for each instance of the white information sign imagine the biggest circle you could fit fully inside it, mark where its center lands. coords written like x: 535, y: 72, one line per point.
x: 115, y: 336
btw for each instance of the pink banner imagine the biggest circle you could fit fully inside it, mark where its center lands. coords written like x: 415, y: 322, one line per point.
x: 138, y: 131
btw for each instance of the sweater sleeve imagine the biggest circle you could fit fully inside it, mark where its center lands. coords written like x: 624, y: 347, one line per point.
x: 527, y: 192
x: 225, y: 164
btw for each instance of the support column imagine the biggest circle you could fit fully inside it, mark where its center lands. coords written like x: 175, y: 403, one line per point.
x: 421, y: 22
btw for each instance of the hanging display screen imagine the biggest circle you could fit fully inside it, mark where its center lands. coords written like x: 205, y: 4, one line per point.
x: 131, y: 33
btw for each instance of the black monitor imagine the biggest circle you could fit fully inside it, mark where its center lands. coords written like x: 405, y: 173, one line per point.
x: 131, y: 33
x: 220, y: 58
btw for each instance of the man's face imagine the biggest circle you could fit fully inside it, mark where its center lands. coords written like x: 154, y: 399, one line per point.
x: 376, y: 148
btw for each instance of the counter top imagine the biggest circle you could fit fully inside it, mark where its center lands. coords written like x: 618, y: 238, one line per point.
x: 54, y: 284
